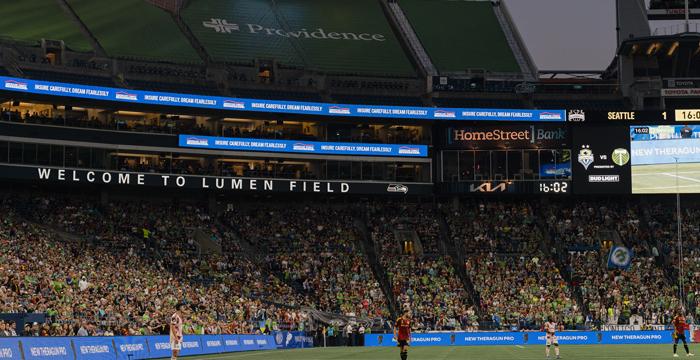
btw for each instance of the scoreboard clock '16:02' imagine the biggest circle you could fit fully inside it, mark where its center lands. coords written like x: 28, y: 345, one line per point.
x: 688, y: 115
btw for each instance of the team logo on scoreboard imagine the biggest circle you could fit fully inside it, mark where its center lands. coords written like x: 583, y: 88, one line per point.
x: 577, y: 115
x: 620, y: 156
x: 585, y: 156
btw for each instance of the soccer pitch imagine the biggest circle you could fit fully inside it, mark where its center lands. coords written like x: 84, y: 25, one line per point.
x: 661, y: 178
x: 570, y: 352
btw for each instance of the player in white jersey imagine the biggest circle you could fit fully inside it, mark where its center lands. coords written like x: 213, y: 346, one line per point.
x: 550, y: 328
x: 176, y: 331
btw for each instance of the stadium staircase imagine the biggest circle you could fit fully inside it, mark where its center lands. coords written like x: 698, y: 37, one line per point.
x: 207, y: 243
x: 516, y: 43
x: 458, y: 260
x: 377, y: 269
x: 68, y: 10
x: 10, y: 62
x: 558, y: 252
x: 196, y: 45
x: 665, y: 260
x: 397, y: 17
x: 255, y: 255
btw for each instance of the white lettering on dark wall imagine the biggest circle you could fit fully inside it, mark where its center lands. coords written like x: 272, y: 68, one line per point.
x: 223, y: 26
x: 202, y: 182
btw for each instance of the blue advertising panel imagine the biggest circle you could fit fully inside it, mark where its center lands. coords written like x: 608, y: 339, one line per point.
x: 159, y: 346
x: 257, y: 342
x: 273, y: 106
x: 565, y: 338
x: 191, y: 345
x: 232, y: 343
x: 9, y: 348
x: 489, y: 338
x: 94, y: 348
x: 131, y: 347
x: 302, y: 147
x: 434, y: 339
x: 292, y: 340
x: 47, y: 348
x: 212, y: 344
x: 637, y: 337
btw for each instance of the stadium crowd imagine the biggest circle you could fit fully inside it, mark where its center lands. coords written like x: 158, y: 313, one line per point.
x: 133, y: 266
x: 523, y: 292
x: 426, y: 285
x: 316, y: 249
x: 495, y: 226
x: 119, y: 267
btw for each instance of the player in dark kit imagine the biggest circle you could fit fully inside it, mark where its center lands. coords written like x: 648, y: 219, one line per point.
x: 679, y: 328
x: 402, y: 333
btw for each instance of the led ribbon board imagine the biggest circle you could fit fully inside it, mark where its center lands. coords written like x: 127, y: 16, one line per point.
x: 302, y: 147
x: 273, y: 106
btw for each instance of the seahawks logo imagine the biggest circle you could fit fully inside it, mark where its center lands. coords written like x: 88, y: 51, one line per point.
x: 621, y: 257
x: 585, y: 156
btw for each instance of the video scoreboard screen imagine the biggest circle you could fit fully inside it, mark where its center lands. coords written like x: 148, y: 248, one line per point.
x: 596, y: 152
x: 601, y: 160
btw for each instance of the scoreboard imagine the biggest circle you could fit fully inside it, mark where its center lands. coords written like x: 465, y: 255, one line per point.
x: 597, y: 152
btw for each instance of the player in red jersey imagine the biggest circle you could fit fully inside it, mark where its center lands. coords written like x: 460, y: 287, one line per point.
x: 402, y: 333
x: 679, y: 328
x: 176, y: 331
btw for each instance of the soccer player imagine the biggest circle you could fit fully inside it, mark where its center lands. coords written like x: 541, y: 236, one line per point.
x: 550, y: 327
x: 679, y: 327
x: 176, y: 331
x: 402, y: 333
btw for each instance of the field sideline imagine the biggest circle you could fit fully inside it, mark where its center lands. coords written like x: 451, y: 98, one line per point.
x: 570, y: 352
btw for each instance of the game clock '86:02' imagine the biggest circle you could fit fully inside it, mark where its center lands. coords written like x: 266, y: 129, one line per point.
x: 553, y: 187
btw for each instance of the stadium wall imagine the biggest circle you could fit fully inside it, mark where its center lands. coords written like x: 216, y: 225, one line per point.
x: 526, y: 338
x: 143, y: 347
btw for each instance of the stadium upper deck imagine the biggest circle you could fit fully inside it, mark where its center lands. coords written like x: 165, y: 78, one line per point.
x: 340, y: 37
x: 367, y: 51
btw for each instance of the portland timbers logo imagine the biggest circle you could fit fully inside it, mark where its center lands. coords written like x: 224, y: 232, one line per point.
x: 620, y: 156
x: 585, y: 156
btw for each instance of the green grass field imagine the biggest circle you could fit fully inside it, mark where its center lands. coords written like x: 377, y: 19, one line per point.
x: 571, y: 352
x: 661, y: 179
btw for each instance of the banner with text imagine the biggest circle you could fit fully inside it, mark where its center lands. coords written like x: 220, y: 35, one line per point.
x: 510, y: 136
x: 127, y: 347
x: 272, y: 106
x: 302, y: 147
x: 525, y: 338
x: 213, y: 183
